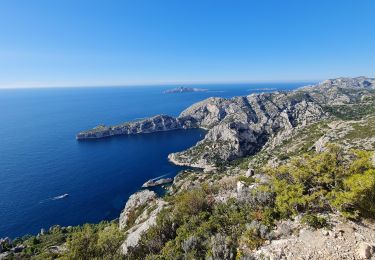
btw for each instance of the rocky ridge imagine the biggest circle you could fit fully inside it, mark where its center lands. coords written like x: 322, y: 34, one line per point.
x: 241, y: 126
x: 149, y: 125
x: 303, y: 123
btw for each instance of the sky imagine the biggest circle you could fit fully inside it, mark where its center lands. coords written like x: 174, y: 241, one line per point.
x: 102, y: 43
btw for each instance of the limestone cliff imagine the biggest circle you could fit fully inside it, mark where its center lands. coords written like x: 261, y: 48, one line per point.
x: 241, y: 126
x: 149, y: 125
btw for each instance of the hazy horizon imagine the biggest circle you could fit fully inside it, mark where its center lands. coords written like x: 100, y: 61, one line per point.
x: 160, y: 84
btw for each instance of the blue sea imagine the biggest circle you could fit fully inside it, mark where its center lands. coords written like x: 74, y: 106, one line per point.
x: 41, y: 160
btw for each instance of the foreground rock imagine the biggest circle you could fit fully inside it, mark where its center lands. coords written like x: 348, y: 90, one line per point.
x: 134, y: 202
x: 342, y: 240
x: 138, y: 216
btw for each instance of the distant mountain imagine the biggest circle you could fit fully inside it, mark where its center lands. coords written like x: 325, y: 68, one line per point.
x: 183, y: 90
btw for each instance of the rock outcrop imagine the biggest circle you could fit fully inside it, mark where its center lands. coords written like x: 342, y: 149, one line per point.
x: 138, y: 216
x: 242, y: 125
x: 134, y: 202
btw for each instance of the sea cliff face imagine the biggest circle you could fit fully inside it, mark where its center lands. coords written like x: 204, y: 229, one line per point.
x: 241, y: 126
x: 149, y: 125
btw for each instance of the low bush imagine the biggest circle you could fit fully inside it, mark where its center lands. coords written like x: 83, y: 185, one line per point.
x: 320, y: 182
x: 246, y: 180
x: 314, y: 221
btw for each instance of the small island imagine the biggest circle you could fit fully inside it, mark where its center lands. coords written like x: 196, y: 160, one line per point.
x: 152, y: 183
x: 183, y: 90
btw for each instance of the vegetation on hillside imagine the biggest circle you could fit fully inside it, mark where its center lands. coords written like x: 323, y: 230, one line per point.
x: 326, y: 181
x: 196, y: 227
x: 90, y: 241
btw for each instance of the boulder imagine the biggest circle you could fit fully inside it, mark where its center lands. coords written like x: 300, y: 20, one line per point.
x: 18, y: 249
x: 6, y: 241
x: 240, y: 187
x: 250, y: 172
x: 364, y: 250
x: 4, y: 255
x: 321, y: 143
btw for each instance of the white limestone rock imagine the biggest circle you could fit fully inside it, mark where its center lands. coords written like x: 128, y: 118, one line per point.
x: 250, y: 172
x: 135, y: 201
x: 145, y: 221
x: 364, y: 250
x: 241, y: 126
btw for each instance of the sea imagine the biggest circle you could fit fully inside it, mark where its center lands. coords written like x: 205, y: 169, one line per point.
x: 49, y: 178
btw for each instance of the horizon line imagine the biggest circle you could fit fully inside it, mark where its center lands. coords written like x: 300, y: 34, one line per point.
x: 149, y: 84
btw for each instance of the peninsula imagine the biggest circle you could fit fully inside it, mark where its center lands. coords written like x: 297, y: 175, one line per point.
x: 242, y: 126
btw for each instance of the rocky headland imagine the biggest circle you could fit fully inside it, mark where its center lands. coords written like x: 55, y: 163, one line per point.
x: 241, y: 126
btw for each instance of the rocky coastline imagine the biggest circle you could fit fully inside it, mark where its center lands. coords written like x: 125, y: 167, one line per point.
x: 247, y: 138
x: 153, y: 183
x: 241, y: 126
x: 149, y: 125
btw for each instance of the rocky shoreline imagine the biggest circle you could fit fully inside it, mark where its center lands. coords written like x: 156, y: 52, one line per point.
x: 153, y: 183
x: 203, y: 166
x: 241, y: 126
x: 149, y: 125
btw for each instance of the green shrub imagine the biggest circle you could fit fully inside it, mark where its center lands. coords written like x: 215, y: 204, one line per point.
x: 314, y: 221
x: 252, y: 239
x: 247, y: 180
x: 358, y: 195
x: 190, y: 203
x: 95, y: 241
x: 318, y: 182
x: 190, y: 228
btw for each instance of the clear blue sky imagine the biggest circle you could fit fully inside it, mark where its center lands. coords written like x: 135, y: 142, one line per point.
x: 73, y: 42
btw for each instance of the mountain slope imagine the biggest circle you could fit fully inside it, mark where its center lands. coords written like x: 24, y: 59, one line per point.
x: 241, y: 126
